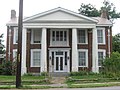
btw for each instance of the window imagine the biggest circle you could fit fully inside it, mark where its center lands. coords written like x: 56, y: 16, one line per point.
x: 101, y: 55
x: 82, y: 36
x: 35, y: 59
x: 15, y: 35
x: 36, y: 36
x: 82, y: 58
x: 101, y: 36
x: 59, y: 35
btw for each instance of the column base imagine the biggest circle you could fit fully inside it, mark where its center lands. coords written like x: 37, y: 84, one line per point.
x: 23, y: 71
x: 95, y: 69
x: 74, y: 69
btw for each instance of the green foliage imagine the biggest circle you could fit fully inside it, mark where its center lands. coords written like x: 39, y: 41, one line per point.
x: 7, y: 68
x: 2, y: 50
x: 44, y: 74
x: 91, y: 11
x: 111, y: 66
x: 88, y: 10
x: 116, y: 43
x: 111, y: 9
x: 81, y: 73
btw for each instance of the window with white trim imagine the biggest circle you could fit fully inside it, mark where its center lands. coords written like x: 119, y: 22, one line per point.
x: 59, y: 35
x: 101, y: 35
x: 101, y: 55
x: 36, y: 36
x: 82, y: 36
x: 82, y: 58
x: 35, y: 58
x: 15, y: 35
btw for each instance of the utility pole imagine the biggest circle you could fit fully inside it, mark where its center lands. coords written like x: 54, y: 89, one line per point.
x: 19, y: 50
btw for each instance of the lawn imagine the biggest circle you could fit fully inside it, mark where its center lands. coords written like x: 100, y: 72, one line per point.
x: 26, y: 80
x: 94, y: 80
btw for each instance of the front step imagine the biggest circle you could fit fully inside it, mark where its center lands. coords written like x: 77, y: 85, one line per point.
x: 58, y: 74
x: 57, y: 80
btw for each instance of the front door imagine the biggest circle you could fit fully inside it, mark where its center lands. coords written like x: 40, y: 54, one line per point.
x: 59, y: 63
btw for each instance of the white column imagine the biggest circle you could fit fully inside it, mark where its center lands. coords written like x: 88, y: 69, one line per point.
x: 74, y: 50
x: 24, y: 37
x: 44, y: 51
x: 95, y: 67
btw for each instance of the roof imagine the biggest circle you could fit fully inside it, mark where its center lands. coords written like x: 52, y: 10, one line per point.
x: 59, y: 9
x: 98, y: 20
x: 103, y: 21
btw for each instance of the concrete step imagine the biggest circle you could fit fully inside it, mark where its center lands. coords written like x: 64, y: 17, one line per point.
x: 58, y: 80
x: 58, y: 74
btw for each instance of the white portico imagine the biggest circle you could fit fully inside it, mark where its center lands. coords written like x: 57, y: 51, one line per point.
x: 57, y: 41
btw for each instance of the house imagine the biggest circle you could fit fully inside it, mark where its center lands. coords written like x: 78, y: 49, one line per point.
x: 60, y: 40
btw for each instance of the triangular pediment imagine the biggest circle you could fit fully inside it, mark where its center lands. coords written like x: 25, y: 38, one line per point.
x: 59, y: 14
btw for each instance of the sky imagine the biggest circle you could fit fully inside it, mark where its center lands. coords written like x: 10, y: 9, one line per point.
x: 31, y: 7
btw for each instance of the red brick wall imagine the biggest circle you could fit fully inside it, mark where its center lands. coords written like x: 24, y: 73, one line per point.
x: 89, y: 48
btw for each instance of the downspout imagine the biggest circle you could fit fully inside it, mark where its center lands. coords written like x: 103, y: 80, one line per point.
x: 109, y: 42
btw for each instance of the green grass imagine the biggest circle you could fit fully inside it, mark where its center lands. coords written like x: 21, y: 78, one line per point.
x: 97, y: 78
x: 92, y: 85
x: 26, y: 80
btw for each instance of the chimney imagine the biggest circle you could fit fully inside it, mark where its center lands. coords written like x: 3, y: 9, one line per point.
x: 104, y: 14
x: 13, y: 14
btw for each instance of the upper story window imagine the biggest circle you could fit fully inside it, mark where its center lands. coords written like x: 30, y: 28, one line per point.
x: 82, y: 36
x: 82, y: 58
x: 101, y: 35
x: 101, y: 55
x: 36, y: 36
x: 35, y: 58
x: 15, y: 35
x: 59, y: 37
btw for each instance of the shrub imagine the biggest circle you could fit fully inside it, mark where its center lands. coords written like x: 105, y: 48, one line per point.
x: 7, y: 68
x: 111, y: 66
x: 44, y: 74
x: 1, y: 69
x: 81, y: 73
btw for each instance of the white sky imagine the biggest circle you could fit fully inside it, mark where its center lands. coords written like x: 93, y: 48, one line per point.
x: 32, y: 7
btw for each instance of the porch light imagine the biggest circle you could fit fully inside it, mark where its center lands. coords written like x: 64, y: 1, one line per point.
x: 68, y: 58
x: 50, y: 58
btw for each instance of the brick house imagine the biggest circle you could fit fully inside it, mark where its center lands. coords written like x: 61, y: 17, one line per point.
x: 60, y: 40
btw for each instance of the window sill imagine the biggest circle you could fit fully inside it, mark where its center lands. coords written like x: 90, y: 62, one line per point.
x: 34, y: 66
x: 101, y: 43
x: 83, y: 66
x: 82, y: 43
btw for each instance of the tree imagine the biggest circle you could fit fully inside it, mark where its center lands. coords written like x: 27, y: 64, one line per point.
x: 90, y: 10
x: 116, y: 43
x: 2, y: 50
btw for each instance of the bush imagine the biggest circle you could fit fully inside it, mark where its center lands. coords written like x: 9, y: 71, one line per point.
x: 44, y: 74
x: 1, y: 69
x: 7, y: 68
x: 81, y: 73
x: 111, y: 66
